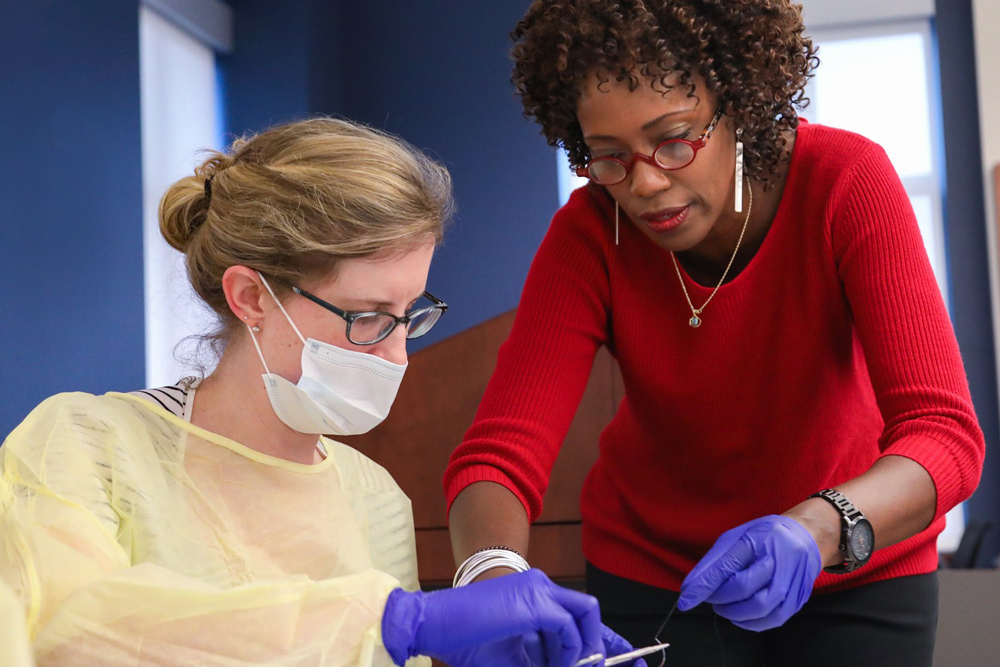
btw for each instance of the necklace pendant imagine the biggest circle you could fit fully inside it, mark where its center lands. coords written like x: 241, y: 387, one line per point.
x: 695, y: 321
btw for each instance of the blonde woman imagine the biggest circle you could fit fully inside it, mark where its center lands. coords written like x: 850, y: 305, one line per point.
x: 209, y: 522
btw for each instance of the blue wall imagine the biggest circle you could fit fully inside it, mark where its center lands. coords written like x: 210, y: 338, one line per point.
x: 71, y: 303
x: 286, y: 63
x: 440, y: 77
x: 266, y: 77
x: 437, y: 74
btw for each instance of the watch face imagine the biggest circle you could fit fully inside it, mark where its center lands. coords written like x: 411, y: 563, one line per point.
x: 862, y: 540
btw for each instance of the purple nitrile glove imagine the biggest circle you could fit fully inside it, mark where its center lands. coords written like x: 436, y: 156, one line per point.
x: 614, y: 644
x: 757, y: 575
x: 484, y: 623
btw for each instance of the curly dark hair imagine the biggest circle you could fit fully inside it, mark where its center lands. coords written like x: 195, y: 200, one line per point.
x: 751, y: 53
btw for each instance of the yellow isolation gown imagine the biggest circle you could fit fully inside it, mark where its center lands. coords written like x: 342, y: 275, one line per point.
x: 132, y: 537
x: 14, y: 648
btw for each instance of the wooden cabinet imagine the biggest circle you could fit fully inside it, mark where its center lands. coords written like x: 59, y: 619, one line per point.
x: 435, y: 406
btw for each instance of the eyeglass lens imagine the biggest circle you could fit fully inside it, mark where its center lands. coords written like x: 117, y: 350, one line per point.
x: 372, y: 328
x: 422, y: 322
x: 671, y: 155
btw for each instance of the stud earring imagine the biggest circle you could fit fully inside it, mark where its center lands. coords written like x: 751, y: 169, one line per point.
x: 739, y: 171
x: 616, y: 222
x: 255, y: 328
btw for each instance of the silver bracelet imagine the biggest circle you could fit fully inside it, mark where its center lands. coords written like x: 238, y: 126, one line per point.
x: 500, y: 546
x: 485, y: 560
x: 478, y: 564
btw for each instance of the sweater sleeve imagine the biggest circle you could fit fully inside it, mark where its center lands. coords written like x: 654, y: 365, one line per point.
x: 543, y: 366
x: 909, y: 345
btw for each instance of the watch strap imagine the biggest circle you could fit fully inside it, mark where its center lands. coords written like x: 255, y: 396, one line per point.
x: 840, y: 501
x: 852, y: 515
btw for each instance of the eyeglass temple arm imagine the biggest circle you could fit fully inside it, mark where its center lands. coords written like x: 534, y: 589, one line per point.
x: 315, y: 299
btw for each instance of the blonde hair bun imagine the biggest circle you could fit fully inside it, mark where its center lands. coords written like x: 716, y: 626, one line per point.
x: 296, y: 199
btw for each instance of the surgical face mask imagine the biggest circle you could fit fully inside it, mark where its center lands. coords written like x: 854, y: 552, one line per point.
x: 341, y: 392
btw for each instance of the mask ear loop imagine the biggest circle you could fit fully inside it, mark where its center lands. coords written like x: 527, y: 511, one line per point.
x: 271, y: 292
x: 259, y: 353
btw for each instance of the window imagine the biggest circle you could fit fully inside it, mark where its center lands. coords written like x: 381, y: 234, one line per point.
x: 180, y: 115
x: 892, y: 68
x: 568, y: 180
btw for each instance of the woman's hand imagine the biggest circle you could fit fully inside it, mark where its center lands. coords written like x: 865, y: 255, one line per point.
x: 475, y: 625
x: 533, y: 648
x: 757, y: 575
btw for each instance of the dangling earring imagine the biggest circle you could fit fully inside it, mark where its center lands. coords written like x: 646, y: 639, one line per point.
x: 616, y: 222
x: 739, y: 171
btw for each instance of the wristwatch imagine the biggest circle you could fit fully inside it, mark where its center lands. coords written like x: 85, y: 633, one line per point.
x: 857, y: 539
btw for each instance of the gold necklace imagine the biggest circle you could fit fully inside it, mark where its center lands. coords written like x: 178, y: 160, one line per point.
x: 696, y: 321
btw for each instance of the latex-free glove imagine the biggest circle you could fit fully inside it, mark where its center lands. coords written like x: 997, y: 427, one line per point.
x: 757, y: 575
x: 614, y: 644
x: 464, y: 627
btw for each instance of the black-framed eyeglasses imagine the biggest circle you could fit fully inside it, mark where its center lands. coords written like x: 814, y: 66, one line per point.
x: 671, y: 155
x: 370, y: 327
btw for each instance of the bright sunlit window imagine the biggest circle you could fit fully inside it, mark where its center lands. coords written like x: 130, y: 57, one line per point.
x: 179, y: 116
x: 879, y: 83
x: 568, y: 181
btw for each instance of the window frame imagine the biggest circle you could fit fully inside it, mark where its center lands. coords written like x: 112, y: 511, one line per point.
x: 930, y: 185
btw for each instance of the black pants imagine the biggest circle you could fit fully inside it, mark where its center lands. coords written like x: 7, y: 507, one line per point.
x: 885, y: 624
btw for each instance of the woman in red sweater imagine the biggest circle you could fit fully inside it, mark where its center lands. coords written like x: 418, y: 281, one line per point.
x: 763, y: 285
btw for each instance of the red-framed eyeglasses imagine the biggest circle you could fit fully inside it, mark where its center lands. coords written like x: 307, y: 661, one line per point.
x: 671, y: 155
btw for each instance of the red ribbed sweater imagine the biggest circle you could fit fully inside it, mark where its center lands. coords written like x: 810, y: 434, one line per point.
x: 831, y: 349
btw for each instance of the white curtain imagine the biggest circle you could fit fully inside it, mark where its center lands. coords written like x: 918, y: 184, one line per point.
x: 180, y: 116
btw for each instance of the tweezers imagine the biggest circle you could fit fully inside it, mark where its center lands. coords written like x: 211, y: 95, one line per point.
x: 619, y: 659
